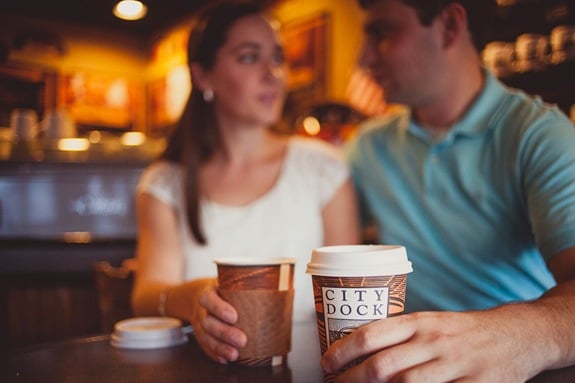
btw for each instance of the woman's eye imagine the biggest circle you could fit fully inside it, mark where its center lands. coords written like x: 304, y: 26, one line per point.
x: 248, y: 58
x: 279, y: 58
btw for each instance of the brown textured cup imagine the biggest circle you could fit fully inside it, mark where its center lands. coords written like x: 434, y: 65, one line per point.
x: 354, y: 285
x: 261, y: 290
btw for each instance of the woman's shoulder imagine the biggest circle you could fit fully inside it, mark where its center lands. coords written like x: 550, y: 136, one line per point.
x: 309, y: 148
x: 161, y: 172
x: 318, y: 165
x: 315, y: 159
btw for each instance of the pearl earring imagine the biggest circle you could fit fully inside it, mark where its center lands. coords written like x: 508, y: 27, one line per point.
x: 208, y: 95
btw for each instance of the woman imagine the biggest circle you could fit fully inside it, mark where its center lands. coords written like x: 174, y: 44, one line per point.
x: 227, y: 185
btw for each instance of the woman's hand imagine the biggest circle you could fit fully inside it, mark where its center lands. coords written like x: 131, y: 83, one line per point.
x: 214, y: 327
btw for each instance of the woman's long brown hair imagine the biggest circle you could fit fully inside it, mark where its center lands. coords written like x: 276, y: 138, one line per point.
x: 196, y: 136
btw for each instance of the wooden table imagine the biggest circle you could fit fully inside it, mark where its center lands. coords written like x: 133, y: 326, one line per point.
x: 93, y: 359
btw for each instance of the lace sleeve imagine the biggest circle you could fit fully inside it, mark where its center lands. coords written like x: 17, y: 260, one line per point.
x: 326, y: 167
x: 163, y: 180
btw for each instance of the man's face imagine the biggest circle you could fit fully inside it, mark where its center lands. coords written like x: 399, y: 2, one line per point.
x: 401, y: 54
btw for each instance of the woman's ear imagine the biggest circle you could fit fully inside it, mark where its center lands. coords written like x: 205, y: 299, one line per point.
x: 199, y: 77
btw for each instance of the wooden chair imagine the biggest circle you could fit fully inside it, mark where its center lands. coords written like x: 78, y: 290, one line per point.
x: 114, y: 288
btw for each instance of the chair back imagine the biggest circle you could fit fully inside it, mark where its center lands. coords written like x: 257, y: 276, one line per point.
x: 114, y: 289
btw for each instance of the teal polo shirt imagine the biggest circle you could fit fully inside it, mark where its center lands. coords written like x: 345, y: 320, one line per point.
x: 481, y: 210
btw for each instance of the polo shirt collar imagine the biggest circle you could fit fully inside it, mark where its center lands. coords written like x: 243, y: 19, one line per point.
x: 477, y: 120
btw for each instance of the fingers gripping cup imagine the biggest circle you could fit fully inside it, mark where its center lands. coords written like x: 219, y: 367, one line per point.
x: 354, y: 285
x: 261, y: 290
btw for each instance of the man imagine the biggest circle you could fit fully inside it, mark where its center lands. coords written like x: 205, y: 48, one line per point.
x: 478, y: 182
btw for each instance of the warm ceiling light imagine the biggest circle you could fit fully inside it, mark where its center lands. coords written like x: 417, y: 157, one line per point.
x: 130, y: 10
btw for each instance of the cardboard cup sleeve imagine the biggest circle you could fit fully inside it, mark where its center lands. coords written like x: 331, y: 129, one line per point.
x: 266, y: 316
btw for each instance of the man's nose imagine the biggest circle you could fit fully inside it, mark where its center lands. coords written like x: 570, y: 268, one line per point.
x: 366, y: 57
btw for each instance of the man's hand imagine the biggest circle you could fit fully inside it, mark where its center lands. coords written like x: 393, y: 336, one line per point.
x: 479, y: 346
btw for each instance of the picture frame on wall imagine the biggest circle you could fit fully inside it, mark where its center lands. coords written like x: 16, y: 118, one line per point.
x: 101, y: 101
x: 167, y: 97
x: 306, y: 52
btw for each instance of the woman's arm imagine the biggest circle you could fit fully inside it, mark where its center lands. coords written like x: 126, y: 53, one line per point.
x: 341, y: 218
x: 158, y: 254
x: 160, y: 288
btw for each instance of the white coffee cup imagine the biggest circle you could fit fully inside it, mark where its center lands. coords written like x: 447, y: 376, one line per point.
x: 354, y: 285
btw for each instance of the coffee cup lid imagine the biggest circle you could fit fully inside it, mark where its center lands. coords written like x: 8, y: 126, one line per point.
x: 253, y: 261
x: 359, y: 260
x: 148, y: 332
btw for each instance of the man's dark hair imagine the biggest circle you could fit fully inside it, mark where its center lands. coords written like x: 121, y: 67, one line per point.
x: 481, y: 14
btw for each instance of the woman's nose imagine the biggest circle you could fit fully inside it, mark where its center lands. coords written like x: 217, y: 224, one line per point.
x: 274, y: 71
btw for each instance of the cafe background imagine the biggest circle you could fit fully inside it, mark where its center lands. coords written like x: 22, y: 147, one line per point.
x: 63, y: 209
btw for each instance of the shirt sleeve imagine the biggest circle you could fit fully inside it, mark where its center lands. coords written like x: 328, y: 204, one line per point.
x: 162, y: 180
x: 547, y: 158
x: 326, y: 166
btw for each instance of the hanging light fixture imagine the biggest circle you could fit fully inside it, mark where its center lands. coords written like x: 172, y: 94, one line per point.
x: 130, y: 10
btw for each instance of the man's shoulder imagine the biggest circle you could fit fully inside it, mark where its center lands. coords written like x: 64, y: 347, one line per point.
x: 521, y: 112
x: 395, y: 117
x: 520, y: 104
x: 374, y: 131
x: 309, y: 146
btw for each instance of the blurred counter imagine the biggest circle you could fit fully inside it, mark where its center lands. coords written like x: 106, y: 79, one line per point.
x: 61, y: 211
x: 95, y: 147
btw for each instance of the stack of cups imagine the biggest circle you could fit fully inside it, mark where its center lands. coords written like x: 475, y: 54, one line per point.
x: 499, y: 57
x: 58, y: 124
x: 532, y: 52
x: 24, y: 124
x: 354, y: 285
x: 261, y: 291
x: 563, y: 43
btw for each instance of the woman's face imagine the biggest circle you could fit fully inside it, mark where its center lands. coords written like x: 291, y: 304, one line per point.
x: 248, y: 78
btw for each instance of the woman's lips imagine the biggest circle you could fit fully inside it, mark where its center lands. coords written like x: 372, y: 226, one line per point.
x: 269, y: 98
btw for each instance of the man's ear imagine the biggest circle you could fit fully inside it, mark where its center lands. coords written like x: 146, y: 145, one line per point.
x: 454, y: 21
x: 199, y: 77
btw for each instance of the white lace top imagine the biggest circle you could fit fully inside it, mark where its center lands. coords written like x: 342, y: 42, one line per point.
x: 285, y: 222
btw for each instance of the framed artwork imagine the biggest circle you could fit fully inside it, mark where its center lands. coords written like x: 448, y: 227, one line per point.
x: 101, y: 101
x: 305, y: 45
x: 167, y: 97
x: 305, y: 49
x: 157, y: 106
